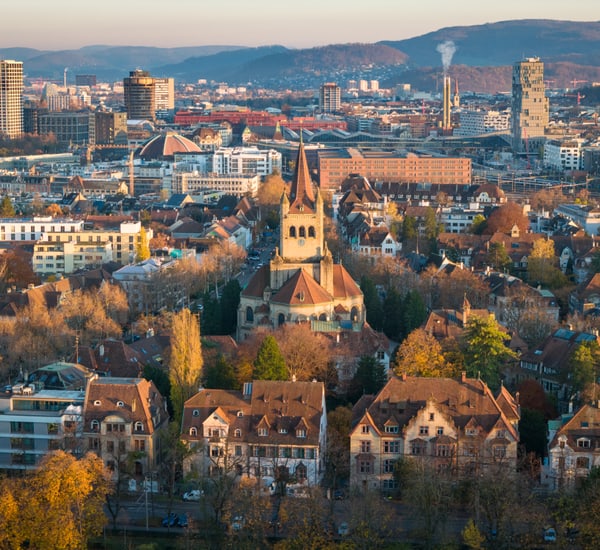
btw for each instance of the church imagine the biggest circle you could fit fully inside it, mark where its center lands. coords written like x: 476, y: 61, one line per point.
x: 301, y: 282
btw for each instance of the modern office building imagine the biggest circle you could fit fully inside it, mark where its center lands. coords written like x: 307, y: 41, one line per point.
x: 111, y: 128
x: 140, y: 95
x: 72, y: 127
x: 330, y: 97
x: 11, y: 98
x: 475, y: 123
x: 530, y: 106
x: 164, y: 95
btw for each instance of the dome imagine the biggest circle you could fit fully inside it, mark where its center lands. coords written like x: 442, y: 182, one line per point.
x: 164, y: 146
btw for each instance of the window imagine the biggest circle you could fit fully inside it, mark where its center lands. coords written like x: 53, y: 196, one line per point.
x: 417, y: 448
x: 388, y: 466
x: 110, y: 447
x: 364, y: 467
x: 431, y: 417
x: 583, y: 443
x: 499, y: 452
x: 365, y: 446
x: 583, y: 462
x: 195, y: 412
x: 440, y: 430
x: 263, y: 432
x: 301, y: 433
x: 391, y: 446
x: 443, y: 450
x: 238, y: 450
x: 139, y: 426
x: 391, y: 429
x: 390, y: 484
x: 311, y: 231
x: 302, y: 231
x: 237, y: 433
x: 249, y: 315
x: 94, y: 425
x: 194, y: 432
x: 139, y: 445
x: 424, y: 430
x: 365, y: 429
x: 292, y: 232
x: 283, y: 430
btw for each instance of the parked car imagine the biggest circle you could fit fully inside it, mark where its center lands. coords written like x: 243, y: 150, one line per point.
x: 550, y: 535
x: 170, y: 520
x: 343, y: 529
x: 237, y: 523
x: 193, y: 495
x: 182, y: 520
x: 338, y: 494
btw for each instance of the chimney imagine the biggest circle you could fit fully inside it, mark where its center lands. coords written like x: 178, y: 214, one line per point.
x: 403, y: 377
x: 463, y: 377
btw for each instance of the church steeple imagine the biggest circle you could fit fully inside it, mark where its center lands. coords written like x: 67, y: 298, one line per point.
x: 301, y: 192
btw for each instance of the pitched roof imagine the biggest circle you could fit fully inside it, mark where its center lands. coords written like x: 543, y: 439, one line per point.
x: 301, y: 191
x: 301, y: 288
x: 344, y: 285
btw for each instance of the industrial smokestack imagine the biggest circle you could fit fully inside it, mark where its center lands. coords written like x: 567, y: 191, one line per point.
x: 446, y: 123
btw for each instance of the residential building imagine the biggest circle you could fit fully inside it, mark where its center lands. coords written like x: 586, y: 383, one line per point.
x: 301, y: 282
x: 456, y: 426
x: 584, y: 215
x: 330, y: 97
x: 110, y: 128
x: 122, y: 421
x: 11, y: 98
x: 336, y: 165
x: 478, y: 122
x: 530, y: 106
x: 140, y: 95
x: 573, y: 450
x: 248, y: 161
x: 563, y: 155
x: 43, y: 414
x: 271, y: 429
x: 164, y: 95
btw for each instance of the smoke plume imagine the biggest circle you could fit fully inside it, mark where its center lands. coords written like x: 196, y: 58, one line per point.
x: 447, y: 50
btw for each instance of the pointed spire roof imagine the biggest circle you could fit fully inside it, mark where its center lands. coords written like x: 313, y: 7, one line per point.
x: 301, y: 193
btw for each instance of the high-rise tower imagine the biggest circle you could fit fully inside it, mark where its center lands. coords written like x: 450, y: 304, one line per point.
x: 11, y: 98
x: 139, y: 91
x: 530, y: 106
x: 330, y: 97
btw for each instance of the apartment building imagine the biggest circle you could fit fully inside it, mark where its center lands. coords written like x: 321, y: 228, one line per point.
x: 564, y: 155
x: 475, y: 123
x: 270, y: 429
x: 238, y: 185
x: 11, y: 98
x: 248, y: 161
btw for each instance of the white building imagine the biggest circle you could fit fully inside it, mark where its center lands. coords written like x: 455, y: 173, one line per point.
x: 247, y: 161
x: 564, y: 155
x: 11, y: 98
x: 194, y: 183
x: 584, y: 216
x: 475, y: 123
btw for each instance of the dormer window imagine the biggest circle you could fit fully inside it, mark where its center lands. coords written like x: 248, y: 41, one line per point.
x: 95, y: 425
x: 301, y: 433
x: 195, y: 412
x: 120, y: 404
x: 139, y: 426
x: 240, y: 414
x: 263, y: 432
x: 97, y: 403
x: 282, y: 431
x: 237, y: 433
x: 194, y: 432
x: 583, y: 443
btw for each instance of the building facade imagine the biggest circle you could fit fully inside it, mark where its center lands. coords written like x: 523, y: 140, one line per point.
x: 530, y: 106
x: 140, y: 95
x: 330, y: 97
x: 11, y: 98
x: 475, y: 123
x: 336, y: 165
x: 238, y: 185
x: 271, y: 429
x: 76, y: 127
x: 248, y: 161
x: 455, y: 426
x: 563, y: 155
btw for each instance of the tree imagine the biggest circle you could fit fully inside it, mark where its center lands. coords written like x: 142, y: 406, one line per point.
x: 53, y: 210
x: 432, y: 227
x: 393, y: 317
x: 414, y: 312
x: 220, y: 375
x: 307, y: 354
x: 230, y: 300
x: 532, y: 431
x: 142, y: 249
x: 478, y: 225
x: 372, y: 303
x: 185, y: 360
x: 337, y: 462
x: 542, y: 265
x: 420, y: 354
x: 472, y: 537
x: 485, y: 350
x: 370, y: 377
x: 497, y: 257
x: 409, y: 228
x: 269, y: 363
x: 505, y: 217
x: 60, y: 506
x: 7, y: 210
x: 583, y: 365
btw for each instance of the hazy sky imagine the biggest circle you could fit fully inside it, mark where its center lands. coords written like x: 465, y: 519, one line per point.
x: 66, y: 24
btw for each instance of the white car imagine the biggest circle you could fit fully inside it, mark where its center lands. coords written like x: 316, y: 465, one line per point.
x: 343, y: 529
x: 193, y: 495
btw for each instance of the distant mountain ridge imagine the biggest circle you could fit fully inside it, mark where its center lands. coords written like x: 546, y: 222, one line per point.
x: 481, y: 62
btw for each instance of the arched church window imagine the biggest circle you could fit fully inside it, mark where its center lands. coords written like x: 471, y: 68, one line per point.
x: 323, y: 317
x: 311, y: 232
x: 302, y: 231
x: 249, y: 315
x: 354, y: 314
x: 292, y: 231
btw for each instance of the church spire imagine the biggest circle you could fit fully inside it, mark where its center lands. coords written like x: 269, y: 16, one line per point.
x: 301, y: 191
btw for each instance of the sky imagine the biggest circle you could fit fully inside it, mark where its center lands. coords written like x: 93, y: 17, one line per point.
x: 71, y: 24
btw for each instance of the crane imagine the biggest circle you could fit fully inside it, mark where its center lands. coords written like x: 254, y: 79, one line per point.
x: 575, y: 82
